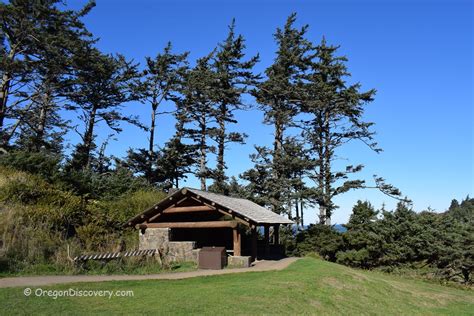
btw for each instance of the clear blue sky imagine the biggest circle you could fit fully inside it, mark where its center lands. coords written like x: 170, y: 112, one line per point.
x: 417, y: 54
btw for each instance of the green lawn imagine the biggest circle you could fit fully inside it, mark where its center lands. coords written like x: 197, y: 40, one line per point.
x: 309, y: 286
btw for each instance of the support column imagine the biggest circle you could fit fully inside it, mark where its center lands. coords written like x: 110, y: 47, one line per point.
x: 254, y: 243
x: 276, y: 234
x: 267, y: 239
x: 237, y: 241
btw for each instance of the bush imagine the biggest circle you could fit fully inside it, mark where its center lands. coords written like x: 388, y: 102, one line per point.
x: 323, y: 239
x: 44, y: 164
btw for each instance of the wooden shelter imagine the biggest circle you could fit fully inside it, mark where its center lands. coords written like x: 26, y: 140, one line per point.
x: 213, y: 219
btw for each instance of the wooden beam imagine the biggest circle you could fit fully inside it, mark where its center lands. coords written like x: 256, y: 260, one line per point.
x: 151, y: 219
x: 234, y: 217
x: 237, y: 241
x: 213, y: 224
x: 186, y: 209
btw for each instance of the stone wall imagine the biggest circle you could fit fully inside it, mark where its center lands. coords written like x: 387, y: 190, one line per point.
x: 154, y: 238
x: 171, y: 251
x: 182, y: 251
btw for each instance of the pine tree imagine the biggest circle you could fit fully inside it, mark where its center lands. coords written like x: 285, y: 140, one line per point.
x: 233, y: 76
x: 33, y: 34
x: 103, y: 84
x: 161, y: 81
x: 260, y: 180
x: 198, y: 113
x: 297, y: 161
x: 178, y: 158
x: 336, y: 117
x: 278, y: 96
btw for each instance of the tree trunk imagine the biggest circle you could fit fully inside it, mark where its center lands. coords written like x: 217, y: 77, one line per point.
x: 322, y: 214
x: 4, y: 92
x: 42, y: 121
x: 152, y: 132
x: 277, y: 148
x: 297, y: 211
x: 221, y: 147
x: 202, y: 145
x: 301, y: 213
x: 89, y: 136
x: 151, y: 149
x: 40, y: 131
x: 327, y: 169
x: 322, y: 171
x: 278, y: 137
x: 4, y: 89
x: 290, y: 215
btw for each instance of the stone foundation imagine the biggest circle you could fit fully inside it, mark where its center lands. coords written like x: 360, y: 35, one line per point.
x: 239, y: 261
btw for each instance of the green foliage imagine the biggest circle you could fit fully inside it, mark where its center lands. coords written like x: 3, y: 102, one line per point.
x: 40, y: 220
x: 362, y: 239
x: 41, y: 163
x: 319, y: 238
x: 441, y: 245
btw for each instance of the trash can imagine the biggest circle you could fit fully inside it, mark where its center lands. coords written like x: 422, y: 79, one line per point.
x: 212, y: 258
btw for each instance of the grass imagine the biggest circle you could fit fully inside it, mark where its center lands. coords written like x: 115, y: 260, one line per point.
x: 128, y: 266
x: 309, y: 286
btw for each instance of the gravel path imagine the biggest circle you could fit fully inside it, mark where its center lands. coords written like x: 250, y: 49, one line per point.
x: 264, y: 265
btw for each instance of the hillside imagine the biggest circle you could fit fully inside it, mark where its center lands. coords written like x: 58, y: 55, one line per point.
x: 308, y: 286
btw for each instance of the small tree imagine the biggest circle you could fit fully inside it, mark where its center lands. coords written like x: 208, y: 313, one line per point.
x: 362, y: 240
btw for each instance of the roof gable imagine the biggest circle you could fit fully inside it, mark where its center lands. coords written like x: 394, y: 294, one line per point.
x: 244, y: 209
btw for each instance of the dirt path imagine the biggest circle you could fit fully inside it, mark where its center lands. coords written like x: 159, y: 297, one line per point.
x: 265, y: 265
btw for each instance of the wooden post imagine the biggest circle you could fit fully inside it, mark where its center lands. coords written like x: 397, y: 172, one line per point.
x: 254, y: 243
x: 267, y: 239
x: 276, y: 234
x: 237, y: 241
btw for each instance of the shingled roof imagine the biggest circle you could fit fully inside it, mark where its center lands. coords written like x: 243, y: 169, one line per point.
x: 244, y: 208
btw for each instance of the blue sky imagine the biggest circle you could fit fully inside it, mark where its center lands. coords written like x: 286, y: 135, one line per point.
x: 417, y: 54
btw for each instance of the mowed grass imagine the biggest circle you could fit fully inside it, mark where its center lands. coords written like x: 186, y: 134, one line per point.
x: 308, y: 286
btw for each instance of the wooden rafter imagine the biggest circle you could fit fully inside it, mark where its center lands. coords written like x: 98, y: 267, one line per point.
x: 186, y: 209
x: 211, y: 224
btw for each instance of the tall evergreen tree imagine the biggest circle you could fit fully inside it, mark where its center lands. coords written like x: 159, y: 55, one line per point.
x: 278, y: 95
x: 336, y: 113
x: 233, y: 76
x: 198, y: 113
x: 103, y: 84
x: 34, y: 35
x: 161, y: 80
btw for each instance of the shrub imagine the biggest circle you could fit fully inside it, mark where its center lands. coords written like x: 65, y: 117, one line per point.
x: 319, y: 238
